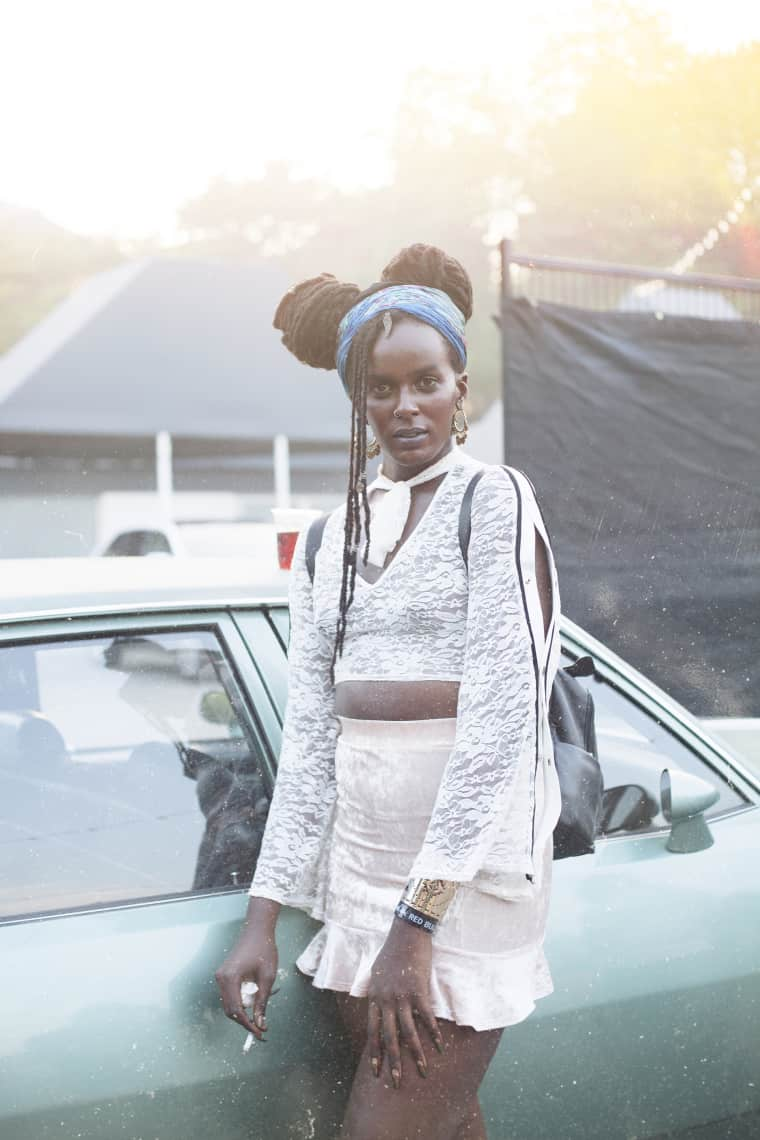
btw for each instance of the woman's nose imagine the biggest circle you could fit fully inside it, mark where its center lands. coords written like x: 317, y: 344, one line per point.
x: 406, y: 404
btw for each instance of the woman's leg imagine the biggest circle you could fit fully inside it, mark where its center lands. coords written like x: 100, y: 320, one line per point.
x: 442, y: 1106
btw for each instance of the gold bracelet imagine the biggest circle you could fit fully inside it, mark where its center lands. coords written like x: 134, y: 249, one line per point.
x: 430, y: 897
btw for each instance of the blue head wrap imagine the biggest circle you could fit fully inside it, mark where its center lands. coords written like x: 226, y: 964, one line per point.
x: 432, y: 306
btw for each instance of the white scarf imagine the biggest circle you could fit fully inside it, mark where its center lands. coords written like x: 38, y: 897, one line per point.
x: 390, y: 511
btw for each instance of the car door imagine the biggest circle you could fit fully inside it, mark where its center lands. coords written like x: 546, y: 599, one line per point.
x: 652, y: 1026
x: 136, y: 763
x: 651, y: 1029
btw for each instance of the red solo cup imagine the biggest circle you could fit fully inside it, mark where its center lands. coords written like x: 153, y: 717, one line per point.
x: 286, y: 544
x: 289, y: 522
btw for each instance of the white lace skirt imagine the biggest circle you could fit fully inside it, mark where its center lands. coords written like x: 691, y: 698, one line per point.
x: 488, y: 964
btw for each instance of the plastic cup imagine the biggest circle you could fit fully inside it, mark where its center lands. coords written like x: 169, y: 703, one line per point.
x: 289, y: 522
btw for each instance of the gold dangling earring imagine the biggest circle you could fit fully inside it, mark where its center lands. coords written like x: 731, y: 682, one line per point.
x: 373, y: 448
x: 459, y: 428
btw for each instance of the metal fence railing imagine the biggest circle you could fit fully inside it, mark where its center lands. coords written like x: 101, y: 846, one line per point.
x: 627, y: 288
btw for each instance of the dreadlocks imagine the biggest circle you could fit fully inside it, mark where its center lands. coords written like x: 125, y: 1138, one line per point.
x: 357, y: 504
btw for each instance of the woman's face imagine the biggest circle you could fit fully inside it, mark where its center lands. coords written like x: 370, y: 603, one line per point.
x: 412, y: 390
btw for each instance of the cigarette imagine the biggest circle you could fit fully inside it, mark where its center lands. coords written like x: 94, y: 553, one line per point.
x: 247, y: 990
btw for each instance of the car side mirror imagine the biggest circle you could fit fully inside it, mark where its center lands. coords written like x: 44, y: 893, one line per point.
x: 684, y: 799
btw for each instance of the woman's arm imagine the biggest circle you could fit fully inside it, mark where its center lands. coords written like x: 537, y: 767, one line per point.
x: 253, y: 958
x: 492, y: 765
x: 305, y: 787
x: 286, y: 871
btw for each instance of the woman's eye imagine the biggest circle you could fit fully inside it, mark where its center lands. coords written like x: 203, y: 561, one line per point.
x: 428, y: 382
x: 379, y: 389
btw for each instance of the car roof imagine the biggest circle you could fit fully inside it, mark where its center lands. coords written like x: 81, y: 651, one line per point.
x: 55, y: 587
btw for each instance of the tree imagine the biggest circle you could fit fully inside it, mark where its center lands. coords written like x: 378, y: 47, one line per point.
x: 268, y: 217
x: 40, y: 264
x: 642, y: 147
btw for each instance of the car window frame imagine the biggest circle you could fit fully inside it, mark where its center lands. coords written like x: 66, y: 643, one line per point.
x: 279, y: 616
x: 672, y: 718
x: 262, y: 720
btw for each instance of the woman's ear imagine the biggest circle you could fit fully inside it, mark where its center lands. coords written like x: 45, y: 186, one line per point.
x: 463, y: 384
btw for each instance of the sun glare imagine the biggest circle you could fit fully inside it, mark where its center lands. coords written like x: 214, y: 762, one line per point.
x: 124, y: 111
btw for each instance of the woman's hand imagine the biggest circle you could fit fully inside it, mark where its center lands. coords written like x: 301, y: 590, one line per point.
x: 400, y: 989
x: 253, y: 958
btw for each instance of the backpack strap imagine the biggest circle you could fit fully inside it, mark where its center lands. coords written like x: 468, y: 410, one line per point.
x: 465, y: 511
x: 465, y: 529
x: 465, y: 514
x: 313, y: 543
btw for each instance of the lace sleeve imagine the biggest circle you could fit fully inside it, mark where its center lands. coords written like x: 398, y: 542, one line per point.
x: 305, y: 787
x: 489, y: 777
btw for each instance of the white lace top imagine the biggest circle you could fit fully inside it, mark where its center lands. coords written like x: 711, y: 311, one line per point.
x: 430, y: 615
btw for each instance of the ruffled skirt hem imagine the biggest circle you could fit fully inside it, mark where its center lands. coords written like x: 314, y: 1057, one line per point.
x: 484, y: 991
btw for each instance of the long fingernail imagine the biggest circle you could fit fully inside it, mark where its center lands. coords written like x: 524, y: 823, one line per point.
x: 375, y: 1066
x: 421, y: 1069
x: 396, y: 1078
x: 438, y: 1044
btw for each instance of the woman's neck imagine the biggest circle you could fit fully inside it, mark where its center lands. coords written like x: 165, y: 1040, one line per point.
x: 396, y: 471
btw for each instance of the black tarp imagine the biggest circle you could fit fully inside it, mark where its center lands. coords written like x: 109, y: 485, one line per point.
x: 642, y: 436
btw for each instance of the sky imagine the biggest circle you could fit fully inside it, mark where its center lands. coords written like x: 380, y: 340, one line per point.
x: 114, y: 112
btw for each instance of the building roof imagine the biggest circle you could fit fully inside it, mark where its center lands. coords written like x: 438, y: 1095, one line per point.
x: 177, y: 345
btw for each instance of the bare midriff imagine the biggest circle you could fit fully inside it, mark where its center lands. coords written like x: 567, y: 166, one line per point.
x: 396, y: 700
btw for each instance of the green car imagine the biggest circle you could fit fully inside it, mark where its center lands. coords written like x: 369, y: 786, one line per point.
x: 141, y: 703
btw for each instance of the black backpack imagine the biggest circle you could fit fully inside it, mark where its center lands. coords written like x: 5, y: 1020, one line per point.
x: 571, y: 715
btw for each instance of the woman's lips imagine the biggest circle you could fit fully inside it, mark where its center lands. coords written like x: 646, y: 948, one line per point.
x: 410, y: 433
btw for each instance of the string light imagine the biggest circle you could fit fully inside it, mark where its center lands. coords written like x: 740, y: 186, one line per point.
x: 714, y: 234
x: 709, y: 241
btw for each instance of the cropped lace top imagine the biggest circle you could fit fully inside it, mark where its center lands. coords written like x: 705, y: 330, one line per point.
x: 430, y: 615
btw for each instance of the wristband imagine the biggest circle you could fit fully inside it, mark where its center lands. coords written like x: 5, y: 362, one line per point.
x: 430, y: 897
x: 412, y: 916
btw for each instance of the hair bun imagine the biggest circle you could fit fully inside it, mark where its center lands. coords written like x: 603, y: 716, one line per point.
x: 308, y: 317
x: 427, y: 265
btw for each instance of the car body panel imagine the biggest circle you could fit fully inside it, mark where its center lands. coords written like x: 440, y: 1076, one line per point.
x: 118, y: 1007
x: 127, y: 1026
x: 652, y: 1023
x: 112, y: 1025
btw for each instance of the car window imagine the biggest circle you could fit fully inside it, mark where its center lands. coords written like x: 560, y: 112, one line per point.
x: 128, y: 769
x: 633, y: 750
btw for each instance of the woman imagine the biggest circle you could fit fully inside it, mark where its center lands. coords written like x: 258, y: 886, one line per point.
x: 416, y: 797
